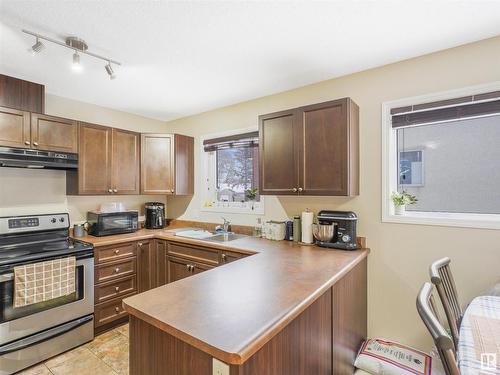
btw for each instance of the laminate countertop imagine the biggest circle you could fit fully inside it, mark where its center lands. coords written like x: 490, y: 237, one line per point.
x: 231, y: 311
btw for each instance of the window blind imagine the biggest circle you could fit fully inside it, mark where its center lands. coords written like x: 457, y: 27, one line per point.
x: 447, y: 110
x: 240, y: 140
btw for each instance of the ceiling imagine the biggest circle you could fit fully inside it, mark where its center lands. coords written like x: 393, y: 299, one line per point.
x: 185, y: 57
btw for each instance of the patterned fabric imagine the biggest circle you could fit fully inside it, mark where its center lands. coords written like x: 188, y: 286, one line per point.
x: 479, y: 343
x: 43, y: 281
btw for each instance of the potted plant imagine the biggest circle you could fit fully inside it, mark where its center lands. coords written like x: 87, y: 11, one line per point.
x: 401, y: 200
x: 251, y: 195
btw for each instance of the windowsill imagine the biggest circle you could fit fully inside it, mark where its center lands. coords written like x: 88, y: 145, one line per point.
x: 236, y: 208
x: 464, y: 220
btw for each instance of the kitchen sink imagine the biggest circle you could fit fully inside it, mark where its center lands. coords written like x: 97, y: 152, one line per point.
x: 225, y: 237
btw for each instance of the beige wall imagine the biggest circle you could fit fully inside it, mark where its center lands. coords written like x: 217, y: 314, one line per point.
x: 400, y: 254
x: 27, y: 191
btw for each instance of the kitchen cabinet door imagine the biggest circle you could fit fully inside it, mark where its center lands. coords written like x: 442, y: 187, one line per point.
x: 53, y: 133
x: 328, y: 148
x: 178, y: 268
x: 94, y: 165
x: 157, y: 164
x: 125, y: 161
x: 146, y: 265
x: 20, y: 94
x: 14, y: 128
x: 161, y: 263
x: 278, y: 170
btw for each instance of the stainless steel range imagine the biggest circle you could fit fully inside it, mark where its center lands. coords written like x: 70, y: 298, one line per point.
x: 37, y: 331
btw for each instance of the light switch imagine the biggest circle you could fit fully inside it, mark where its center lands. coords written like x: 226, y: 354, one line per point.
x: 219, y: 368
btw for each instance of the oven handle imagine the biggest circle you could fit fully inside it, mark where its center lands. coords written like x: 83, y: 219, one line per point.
x: 44, y: 336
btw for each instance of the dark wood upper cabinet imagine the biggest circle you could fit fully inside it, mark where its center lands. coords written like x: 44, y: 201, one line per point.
x: 53, y: 133
x: 125, y: 161
x: 14, y: 128
x: 279, y: 173
x: 167, y: 164
x: 108, y: 162
x: 311, y: 150
x: 94, y: 162
x: 23, y: 95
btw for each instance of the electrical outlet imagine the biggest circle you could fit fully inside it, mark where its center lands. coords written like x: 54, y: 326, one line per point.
x: 219, y: 368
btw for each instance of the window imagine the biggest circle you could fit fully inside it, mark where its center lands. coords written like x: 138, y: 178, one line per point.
x: 232, y: 164
x: 445, y: 152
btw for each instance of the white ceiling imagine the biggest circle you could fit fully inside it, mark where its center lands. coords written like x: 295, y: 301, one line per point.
x: 186, y: 57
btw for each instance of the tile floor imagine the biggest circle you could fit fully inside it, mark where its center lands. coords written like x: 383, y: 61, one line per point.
x: 107, y: 354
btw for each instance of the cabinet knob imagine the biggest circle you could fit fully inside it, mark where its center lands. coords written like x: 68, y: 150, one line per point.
x: 110, y: 190
x: 224, y: 258
x: 115, y: 191
x: 27, y: 143
x: 117, y: 309
x: 294, y: 190
x: 117, y: 288
x: 35, y: 143
x: 188, y: 267
x: 172, y: 190
x: 301, y: 190
x: 117, y: 251
x: 117, y: 270
x: 139, y: 244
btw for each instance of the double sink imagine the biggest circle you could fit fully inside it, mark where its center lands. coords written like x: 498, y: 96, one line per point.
x: 200, y: 234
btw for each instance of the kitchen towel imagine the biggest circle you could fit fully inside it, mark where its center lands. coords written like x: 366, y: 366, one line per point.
x: 43, y: 281
x: 307, y: 221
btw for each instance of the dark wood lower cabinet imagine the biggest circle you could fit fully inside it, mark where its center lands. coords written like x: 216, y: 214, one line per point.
x: 146, y: 265
x: 322, y: 340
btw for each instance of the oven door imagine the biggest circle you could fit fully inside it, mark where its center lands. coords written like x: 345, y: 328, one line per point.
x: 16, y: 323
x: 116, y: 223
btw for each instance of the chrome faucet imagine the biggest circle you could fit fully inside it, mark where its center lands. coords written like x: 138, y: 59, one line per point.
x: 224, y: 227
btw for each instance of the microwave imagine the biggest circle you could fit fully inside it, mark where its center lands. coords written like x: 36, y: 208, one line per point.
x: 108, y: 223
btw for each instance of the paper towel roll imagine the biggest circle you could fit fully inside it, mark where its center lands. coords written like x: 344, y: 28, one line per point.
x: 307, y: 221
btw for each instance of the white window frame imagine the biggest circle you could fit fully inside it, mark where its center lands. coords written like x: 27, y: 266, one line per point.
x: 390, y: 168
x: 209, y: 176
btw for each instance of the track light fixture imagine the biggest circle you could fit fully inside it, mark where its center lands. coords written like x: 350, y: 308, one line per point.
x: 37, y: 47
x: 79, y: 46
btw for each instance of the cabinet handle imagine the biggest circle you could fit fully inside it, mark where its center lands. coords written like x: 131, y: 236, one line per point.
x: 110, y: 190
x: 117, y: 270
x: 117, y: 309
x: 117, y: 288
x: 35, y: 143
x: 294, y: 190
x: 188, y: 267
x: 224, y: 257
x: 115, y: 191
x: 301, y: 190
x: 117, y: 251
x: 27, y: 143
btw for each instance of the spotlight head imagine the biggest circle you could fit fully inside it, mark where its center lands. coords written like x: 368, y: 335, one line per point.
x: 109, y: 70
x: 76, y: 62
x: 37, y: 47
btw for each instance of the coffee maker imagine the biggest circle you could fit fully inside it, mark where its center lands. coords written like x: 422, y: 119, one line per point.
x: 155, y: 215
x: 344, y: 223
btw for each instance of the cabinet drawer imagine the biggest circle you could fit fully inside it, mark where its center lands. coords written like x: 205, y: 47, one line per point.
x: 108, y: 311
x: 113, y: 289
x: 115, y: 252
x: 114, y: 270
x: 199, y: 254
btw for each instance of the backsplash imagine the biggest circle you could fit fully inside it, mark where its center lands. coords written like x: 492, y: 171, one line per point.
x: 28, y: 191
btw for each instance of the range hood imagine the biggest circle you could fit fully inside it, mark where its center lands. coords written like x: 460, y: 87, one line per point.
x: 37, y: 159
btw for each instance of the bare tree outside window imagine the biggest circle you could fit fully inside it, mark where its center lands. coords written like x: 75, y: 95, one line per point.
x: 236, y: 173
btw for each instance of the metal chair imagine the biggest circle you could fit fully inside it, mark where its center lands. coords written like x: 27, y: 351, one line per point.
x: 426, y: 308
x: 442, y: 278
